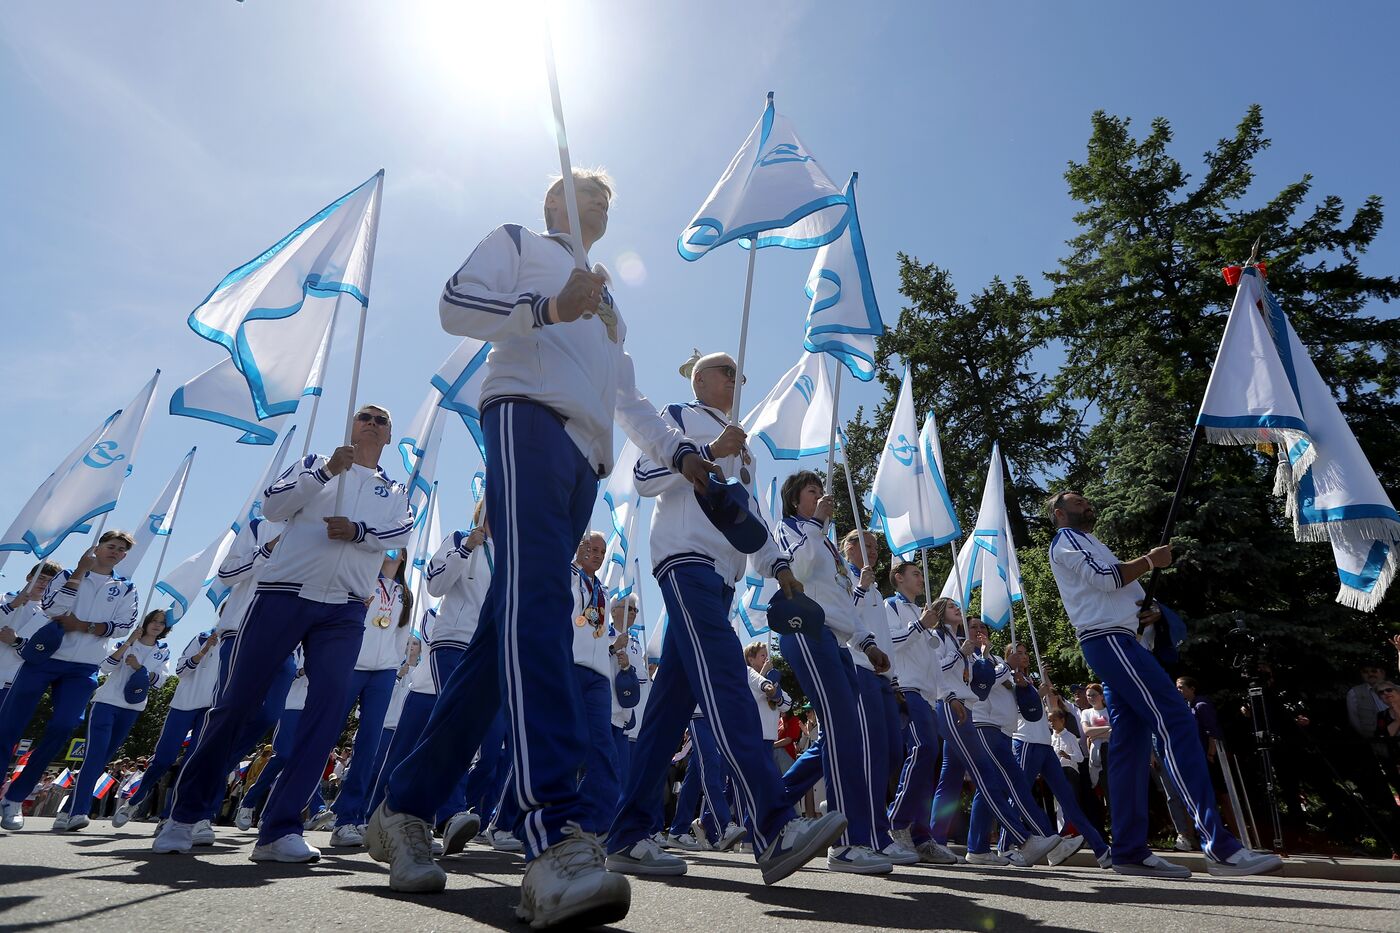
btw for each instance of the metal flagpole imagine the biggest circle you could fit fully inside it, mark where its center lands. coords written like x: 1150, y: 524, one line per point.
x: 1026, y: 603
x: 743, y: 335
x: 566, y: 170
x: 160, y: 561
x: 855, y: 508
x: 350, y: 412
x: 101, y: 527
x: 928, y: 593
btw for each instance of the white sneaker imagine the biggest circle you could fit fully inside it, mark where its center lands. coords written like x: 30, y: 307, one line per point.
x: 11, y: 815
x: 801, y: 840
x: 899, y: 855
x: 1183, y: 844
x: 437, y: 849
x: 76, y: 823
x: 662, y: 839
x: 173, y: 836
x: 988, y: 858
x: 697, y: 830
x: 60, y: 821
x: 292, y: 847
x: 645, y: 858
x: 685, y: 841
x: 933, y: 853
x: 568, y: 883
x: 1245, y: 862
x: 406, y: 843
x: 459, y: 831
x: 1154, y: 866
x: 732, y: 834
x: 505, y: 841
x: 1017, y: 860
x: 323, y: 820
x: 1067, y: 847
x: 347, y: 835
x: 1037, y: 847
x: 1106, y: 860
x: 244, y: 818
x: 202, y: 834
x: 858, y: 860
x: 124, y: 813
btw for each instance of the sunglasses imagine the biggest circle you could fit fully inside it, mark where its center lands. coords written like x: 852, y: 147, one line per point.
x: 365, y: 417
x: 729, y: 372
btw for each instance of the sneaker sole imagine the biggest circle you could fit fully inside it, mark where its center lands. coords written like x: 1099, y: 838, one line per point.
x: 270, y: 857
x: 1222, y: 870
x: 170, y: 850
x: 602, y: 909
x: 1040, y: 855
x: 455, y: 841
x: 883, y: 868
x: 1143, y: 871
x: 1053, y: 862
x: 903, y: 859
x: 833, y: 825
x: 427, y: 884
x: 626, y: 865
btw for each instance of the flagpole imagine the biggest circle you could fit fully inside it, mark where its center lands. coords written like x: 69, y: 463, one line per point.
x: 831, y: 439
x: 928, y: 593
x: 350, y: 412
x: 325, y: 368
x: 427, y: 440
x: 566, y: 170
x: 855, y: 508
x: 743, y: 334
x: 160, y: 561
x: 1035, y: 646
x: 101, y: 527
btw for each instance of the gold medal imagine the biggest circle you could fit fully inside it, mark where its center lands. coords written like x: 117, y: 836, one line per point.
x: 381, y: 621
x: 581, y: 621
x: 598, y: 632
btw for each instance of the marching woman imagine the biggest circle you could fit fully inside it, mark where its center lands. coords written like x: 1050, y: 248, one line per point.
x: 21, y: 615
x: 1038, y: 759
x: 917, y: 647
x: 826, y: 671
x: 403, y: 684
x: 594, y: 635
x: 198, y: 675
x: 1005, y: 697
x: 89, y: 605
x: 964, y: 753
x: 133, y: 671
x: 388, y: 625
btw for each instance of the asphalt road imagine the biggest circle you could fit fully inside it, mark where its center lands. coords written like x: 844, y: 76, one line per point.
x: 104, y: 878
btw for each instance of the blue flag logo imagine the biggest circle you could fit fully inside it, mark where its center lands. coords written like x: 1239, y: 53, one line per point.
x: 103, y: 455
x: 902, y: 450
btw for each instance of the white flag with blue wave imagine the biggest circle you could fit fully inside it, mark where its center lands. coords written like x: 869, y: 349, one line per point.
x: 459, y: 379
x: 94, y: 483
x: 159, y: 522
x: 625, y: 506
x: 773, y: 191
x: 184, y: 583
x: 1265, y: 389
x: 242, y: 522
x: 429, y: 537
x: 987, y: 561
x: 14, y: 536
x: 271, y: 313
x: 419, y: 449
x: 844, y: 318
x: 794, y: 419
x: 749, y: 617
x: 220, y: 393
x: 909, y: 499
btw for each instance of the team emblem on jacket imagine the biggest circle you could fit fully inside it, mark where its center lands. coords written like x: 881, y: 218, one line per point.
x: 381, y: 491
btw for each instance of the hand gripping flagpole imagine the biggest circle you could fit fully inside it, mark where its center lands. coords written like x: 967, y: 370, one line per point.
x: 160, y: 561
x: 566, y: 170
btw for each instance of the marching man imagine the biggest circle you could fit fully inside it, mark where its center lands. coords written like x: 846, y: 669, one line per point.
x: 556, y: 379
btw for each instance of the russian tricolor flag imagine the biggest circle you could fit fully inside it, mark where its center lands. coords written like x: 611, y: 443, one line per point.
x: 104, y: 784
x: 64, y: 779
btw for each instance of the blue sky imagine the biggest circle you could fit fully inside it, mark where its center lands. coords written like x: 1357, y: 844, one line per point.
x: 149, y: 149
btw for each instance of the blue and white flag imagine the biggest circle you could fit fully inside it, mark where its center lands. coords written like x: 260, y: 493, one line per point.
x: 220, y: 393
x: 184, y: 583
x: 987, y: 560
x: 247, y: 513
x: 14, y: 536
x: 625, y: 505
x: 844, y: 318
x: 1265, y: 389
x: 459, y: 382
x: 908, y: 498
x: 266, y: 312
x: 794, y: 419
x: 772, y: 191
x: 749, y: 616
x: 429, y: 537
x: 95, y: 481
x: 159, y: 522
x: 419, y: 449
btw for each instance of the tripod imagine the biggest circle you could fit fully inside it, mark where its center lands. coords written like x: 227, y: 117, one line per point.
x: 1247, y: 663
